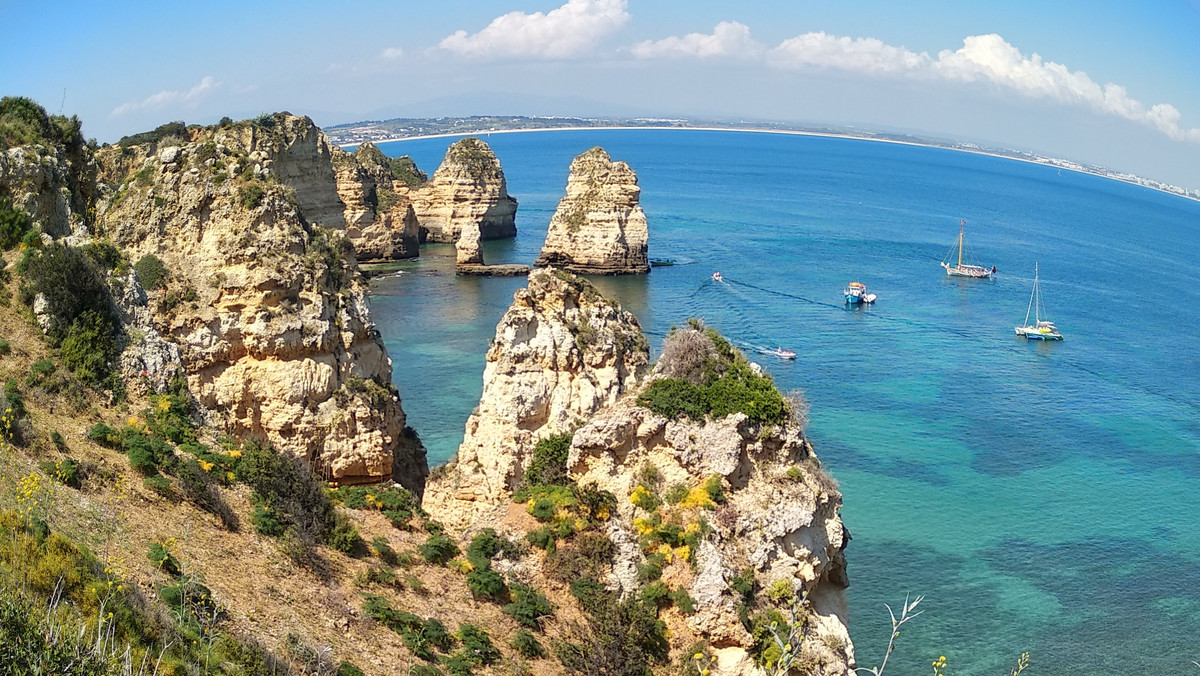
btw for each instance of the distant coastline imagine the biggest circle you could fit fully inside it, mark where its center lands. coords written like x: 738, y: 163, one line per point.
x: 354, y: 134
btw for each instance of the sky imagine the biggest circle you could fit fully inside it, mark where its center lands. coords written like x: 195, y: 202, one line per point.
x: 1114, y: 83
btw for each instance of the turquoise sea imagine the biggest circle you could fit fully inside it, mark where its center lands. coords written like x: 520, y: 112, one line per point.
x: 1043, y: 497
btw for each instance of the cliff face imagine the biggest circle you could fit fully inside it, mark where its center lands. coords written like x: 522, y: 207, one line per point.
x: 468, y: 187
x: 561, y: 352
x: 44, y: 181
x: 721, y: 507
x: 598, y: 227
x: 379, y: 217
x: 268, y: 312
x: 779, y: 518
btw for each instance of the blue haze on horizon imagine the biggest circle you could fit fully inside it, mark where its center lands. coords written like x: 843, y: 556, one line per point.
x: 1111, y: 83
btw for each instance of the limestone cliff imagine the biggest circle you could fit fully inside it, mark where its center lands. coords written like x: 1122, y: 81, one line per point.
x: 268, y: 311
x: 51, y: 183
x: 468, y: 187
x: 380, y: 220
x: 561, y: 352
x: 719, y: 505
x: 598, y: 227
x: 778, y: 517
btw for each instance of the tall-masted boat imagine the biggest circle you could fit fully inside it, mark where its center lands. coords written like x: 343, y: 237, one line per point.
x: 965, y: 269
x: 1040, y: 329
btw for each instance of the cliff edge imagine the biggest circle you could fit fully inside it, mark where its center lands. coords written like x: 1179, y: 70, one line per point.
x: 267, y: 309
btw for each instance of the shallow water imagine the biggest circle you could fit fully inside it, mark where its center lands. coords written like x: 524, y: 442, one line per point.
x: 1041, y: 496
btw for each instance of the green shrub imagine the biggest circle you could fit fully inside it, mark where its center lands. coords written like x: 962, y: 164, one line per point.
x: 715, y: 489
x: 289, y: 489
x: 14, y: 224
x: 90, y: 348
x: 477, y: 647
x: 151, y: 272
x: 528, y: 607
x: 548, y: 467
x: 527, y: 645
x: 656, y: 594
x: 649, y: 571
x: 348, y: 669
x: 343, y: 535
x: 744, y: 585
x: 622, y: 637
x: 199, y: 490
x: 266, y: 521
x: 683, y: 601
x: 103, y: 435
x: 543, y: 509
x: 5, y: 348
x: 438, y: 549
x: 251, y: 195
x: 177, y: 128
x: 424, y: 670
x: 164, y: 560
x: 676, y: 493
x: 487, y: 584
x: 159, y: 484
x: 383, y: 549
x: 672, y: 397
x: 588, y: 555
x: 71, y: 286
x: 65, y: 471
x: 542, y: 538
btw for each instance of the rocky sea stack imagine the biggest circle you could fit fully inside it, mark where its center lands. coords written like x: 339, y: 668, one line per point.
x: 266, y: 309
x: 714, y: 489
x: 598, y: 228
x: 380, y: 220
x: 468, y: 187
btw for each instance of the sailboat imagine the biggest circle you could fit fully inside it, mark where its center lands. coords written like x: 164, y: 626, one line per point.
x: 965, y: 269
x: 1040, y: 329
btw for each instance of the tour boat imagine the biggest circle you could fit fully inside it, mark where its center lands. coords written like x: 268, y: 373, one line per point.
x: 716, y: 277
x: 856, y: 293
x: 661, y: 262
x: 965, y: 269
x: 781, y: 353
x: 1040, y: 329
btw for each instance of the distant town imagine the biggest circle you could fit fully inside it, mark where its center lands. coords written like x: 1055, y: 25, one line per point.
x: 378, y: 131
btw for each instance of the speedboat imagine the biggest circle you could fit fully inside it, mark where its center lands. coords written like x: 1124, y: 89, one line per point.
x: 716, y: 277
x: 781, y: 353
x: 869, y: 298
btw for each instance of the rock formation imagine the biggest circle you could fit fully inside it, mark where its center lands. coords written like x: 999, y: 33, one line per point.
x: 469, y: 257
x: 268, y: 311
x: 561, y: 352
x: 45, y: 182
x: 779, y: 516
x: 468, y: 187
x: 598, y: 227
x: 380, y: 221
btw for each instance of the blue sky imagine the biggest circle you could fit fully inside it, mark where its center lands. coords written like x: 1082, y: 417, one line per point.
x: 1110, y: 82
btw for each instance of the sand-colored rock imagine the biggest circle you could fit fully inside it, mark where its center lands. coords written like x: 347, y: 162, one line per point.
x: 561, y: 352
x: 468, y: 187
x: 38, y: 178
x: 598, y: 227
x: 380, y: 221
x: 269, y: 312
x: 466, y: 248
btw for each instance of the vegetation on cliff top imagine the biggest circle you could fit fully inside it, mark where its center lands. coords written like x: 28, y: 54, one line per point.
x: 24, y: 122
x: 707, y: 376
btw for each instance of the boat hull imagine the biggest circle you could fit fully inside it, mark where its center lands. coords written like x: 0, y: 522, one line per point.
x: 972, y: 271
x: 1035, y: 334
x: 852, y: 299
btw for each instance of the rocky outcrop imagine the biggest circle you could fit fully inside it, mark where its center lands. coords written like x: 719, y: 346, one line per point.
x: 779, y: 517
x: 468, y: 187
x: 38, y: 178
x: 561, y: 353
x: 466, y: 249
x: 598, y: 227
x: 379, y: 217
x: 268, y: 311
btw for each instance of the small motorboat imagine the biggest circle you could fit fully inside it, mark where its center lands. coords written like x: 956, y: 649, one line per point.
x: 869, y: 298
x: 716, y: 277
x: 855, y: 293
x: 661, y: 262
x: 781, y: 353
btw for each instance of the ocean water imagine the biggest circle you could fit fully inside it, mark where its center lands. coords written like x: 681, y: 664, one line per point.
x: 1042, y: 497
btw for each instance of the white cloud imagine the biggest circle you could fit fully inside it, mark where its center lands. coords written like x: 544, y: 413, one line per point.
x: 989, y: 58
x: 728, y: 39
x: 569, y: 31
x: 391, y: 53
x: 169, y: 96
x: 866, y: 55
x: 982, y: 58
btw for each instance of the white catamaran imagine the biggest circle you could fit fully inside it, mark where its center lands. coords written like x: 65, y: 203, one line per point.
x: 965, y: 269
x: 1040, y: 329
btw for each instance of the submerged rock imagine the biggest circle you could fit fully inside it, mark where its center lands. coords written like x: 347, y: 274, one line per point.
x: 598, y: 227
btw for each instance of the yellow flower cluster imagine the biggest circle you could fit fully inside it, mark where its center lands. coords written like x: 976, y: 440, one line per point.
x: 697, y: 497
x: 642, y: 526
x: 205, y: 465
x: 235, y: 454
x: 939, y: 665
